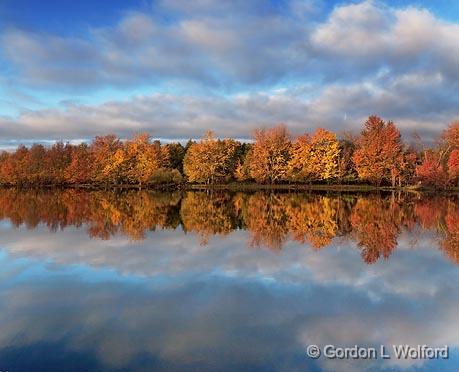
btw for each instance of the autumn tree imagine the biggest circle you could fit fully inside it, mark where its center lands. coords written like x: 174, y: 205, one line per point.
x: 242, y: 168
x: 210, y: 160
x: 173, y: 154
x: 102, y: 151
x: 453, y: 166
x: 116, y: 167
x: 58, y: 158
x: 346, y: 168
x: 36, y: 170
x: 378, y: 152
x: 378, y: 155
x: 135, y: 161
x: 18, y: 166
x: 406, y: 166
x: 325, y: 154
x: 80, y: 167
x: 270, y: 154
x: 300, y: 158
x: 315, y: 158
x: 143, y: 158
x: 431, y: 172
x: 5, y: 168
x: 450, y: 136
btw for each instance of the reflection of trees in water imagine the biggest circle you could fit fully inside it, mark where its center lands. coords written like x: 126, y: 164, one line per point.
x: 266, y: 217
x: 131, y: 213
x: 441, y: 215
x: 375, y: 227
x: 450, y: 232
x: 207, y: 214
x: 374, y: 222
x: 313, y: 219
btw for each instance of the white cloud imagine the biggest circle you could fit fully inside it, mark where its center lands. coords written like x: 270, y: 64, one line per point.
x: 371, y: 36
x: 238, y: 65
x: 415, y: 102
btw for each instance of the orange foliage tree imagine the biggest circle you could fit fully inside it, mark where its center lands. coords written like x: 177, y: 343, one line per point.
x: 269, y: 155
x: 453, y: 166
x: 450, y: 136
x: 431, y: 171
x: 142, y: 159
x: 80, y: 167
x: 379, y: 151
x: 377, y: 155
x: 102, y: 152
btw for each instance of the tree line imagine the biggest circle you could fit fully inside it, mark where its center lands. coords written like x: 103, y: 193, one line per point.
x: 374, y: 223
x: 377, y: 156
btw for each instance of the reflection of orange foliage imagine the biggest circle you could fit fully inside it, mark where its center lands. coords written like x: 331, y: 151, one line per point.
x: 207, y: 214
x: 442, y: 215
x: 373, y: 221
x: 375, y: 227
x: 450, y: 243
x: 266, y: 218
x: 136, y: 213
x: 131, y: 213
x: 429, y: 211
x: 313, y: 220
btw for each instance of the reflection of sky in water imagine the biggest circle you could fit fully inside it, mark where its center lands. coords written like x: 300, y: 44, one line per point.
x: 169, y: 303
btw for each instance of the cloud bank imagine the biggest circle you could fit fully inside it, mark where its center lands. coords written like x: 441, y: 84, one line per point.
x: 234, y: 65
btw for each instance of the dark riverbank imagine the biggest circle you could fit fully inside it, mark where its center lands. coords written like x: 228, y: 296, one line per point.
x: 239, y: 186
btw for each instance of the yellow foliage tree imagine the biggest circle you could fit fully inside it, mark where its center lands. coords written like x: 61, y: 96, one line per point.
x: 325, y: 155
x: 135, y: 162
x: 298, y: 166
x: 315, y: 158
x: 211, y: 160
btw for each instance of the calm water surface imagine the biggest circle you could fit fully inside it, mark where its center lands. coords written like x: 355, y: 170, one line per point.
x: 142, y: 281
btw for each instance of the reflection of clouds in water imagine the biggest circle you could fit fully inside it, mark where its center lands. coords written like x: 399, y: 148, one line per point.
x: 222, y: 304
x: 212, y: 324
x: 168, y: 253
x: 392, y: 319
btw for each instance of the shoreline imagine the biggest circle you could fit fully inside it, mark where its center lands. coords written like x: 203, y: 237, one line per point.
x: 234, y: 186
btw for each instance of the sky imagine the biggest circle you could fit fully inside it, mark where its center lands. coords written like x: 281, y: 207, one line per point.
x: 71, y: 70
